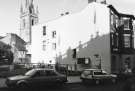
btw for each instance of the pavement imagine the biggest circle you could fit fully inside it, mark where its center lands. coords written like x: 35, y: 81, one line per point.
x: 71, y: 80
x: 2, y: 82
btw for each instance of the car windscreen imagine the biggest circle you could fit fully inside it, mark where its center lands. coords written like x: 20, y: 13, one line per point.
x: 87, y: 72
x: 30, y: 73
x: 100, y: 73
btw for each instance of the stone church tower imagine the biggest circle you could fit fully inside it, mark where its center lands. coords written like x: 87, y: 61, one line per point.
x: 28, y: 18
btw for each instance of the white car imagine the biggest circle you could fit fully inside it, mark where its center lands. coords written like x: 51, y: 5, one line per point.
x: 97, y: 76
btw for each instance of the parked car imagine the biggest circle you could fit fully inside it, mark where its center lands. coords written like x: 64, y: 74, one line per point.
x: 36, y: 77
x: 97, y: 76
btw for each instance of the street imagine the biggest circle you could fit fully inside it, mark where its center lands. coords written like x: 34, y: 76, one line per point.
x: 74, y: 87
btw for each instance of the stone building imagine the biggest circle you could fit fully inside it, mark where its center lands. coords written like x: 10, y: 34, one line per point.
x: 69, y: 29
x: 96, y: 37
x: 28, y: 18
x: 17, y: 47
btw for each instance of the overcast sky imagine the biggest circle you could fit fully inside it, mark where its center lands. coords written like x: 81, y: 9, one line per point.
x: 49, y: 10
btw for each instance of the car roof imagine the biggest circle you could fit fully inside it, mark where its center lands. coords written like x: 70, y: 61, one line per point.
x: 92, y: 69
x: 43, y: 69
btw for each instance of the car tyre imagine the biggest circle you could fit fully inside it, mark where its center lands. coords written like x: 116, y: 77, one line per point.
x: 114, y: 80
x: 83, y: 81
x: 22, y: 85
x: 97, y: 82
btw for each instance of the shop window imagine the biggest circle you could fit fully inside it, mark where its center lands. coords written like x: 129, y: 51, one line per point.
x: 126, y: 40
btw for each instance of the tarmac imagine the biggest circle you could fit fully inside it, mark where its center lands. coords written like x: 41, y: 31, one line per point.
x: 71, y: 80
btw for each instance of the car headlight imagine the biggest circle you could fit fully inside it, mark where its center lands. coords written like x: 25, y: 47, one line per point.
x: 8, y: 81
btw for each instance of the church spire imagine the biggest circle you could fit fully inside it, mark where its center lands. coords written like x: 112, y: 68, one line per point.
x: 31, y: 2
x: 28, y: 18
x: 37, y: 12
x: 27, y: 3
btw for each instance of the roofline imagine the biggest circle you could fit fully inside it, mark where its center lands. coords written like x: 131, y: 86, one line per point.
x: 120, y: 14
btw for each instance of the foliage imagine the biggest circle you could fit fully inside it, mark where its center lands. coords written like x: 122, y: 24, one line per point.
x: 6, y: 55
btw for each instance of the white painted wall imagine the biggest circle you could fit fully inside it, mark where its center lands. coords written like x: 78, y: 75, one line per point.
x: 70, y: 30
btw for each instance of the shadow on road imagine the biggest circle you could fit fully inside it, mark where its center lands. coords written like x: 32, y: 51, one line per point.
x: 38, y: 88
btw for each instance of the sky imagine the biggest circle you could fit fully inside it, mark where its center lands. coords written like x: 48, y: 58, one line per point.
x: 49, y: 10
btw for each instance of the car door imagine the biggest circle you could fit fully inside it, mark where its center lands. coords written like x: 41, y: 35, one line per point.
x: 52, y: 76
x: 44, y: 77
x: 35, y: 79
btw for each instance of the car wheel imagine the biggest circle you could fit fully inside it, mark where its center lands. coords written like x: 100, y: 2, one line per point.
x: 83, y: 81
x: 97, y: 82
x: 114, y: 80
x: 22, y: 85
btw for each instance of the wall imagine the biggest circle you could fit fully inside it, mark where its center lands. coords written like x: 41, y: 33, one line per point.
x: 17, y: 46
x: 71, y: 29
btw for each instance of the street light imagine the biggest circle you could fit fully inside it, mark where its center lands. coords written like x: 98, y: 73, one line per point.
x: 98, y: 56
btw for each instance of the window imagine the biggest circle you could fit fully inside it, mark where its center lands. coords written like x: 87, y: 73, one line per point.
x: 126, y: 24
x: 44, y: 30
x: 114, y: 22
x: 117, y: 22
x: 99, y: 73
x: 54, y: 46
x: 126, y: 40
x: 32, y: 22
x: 54, y: 34
x: 44, y: 45
x: 50, y: 73
x: 23, y: 23
x: 42, y: 73
x: 87, y: 72
x: 115, y: 40
x: 121, y: 21
x: 111, y: 19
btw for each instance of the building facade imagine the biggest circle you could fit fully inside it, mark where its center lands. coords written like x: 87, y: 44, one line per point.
x: 17, y: 47
x: 122, y: 40
x: 28, y: 18
x: 44, y: 44
x: 96, y: 37
x: 70, y: 29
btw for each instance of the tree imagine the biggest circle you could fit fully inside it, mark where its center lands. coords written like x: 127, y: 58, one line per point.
x: 6, y: 55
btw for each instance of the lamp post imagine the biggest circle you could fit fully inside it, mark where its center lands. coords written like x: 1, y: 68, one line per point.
x: 98, y: 56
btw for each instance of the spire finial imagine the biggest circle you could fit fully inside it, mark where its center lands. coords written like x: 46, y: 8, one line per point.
x: 31, y: 1
x: 26, y: 3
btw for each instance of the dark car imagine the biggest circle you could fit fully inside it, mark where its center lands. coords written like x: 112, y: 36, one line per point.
x: 36, y: 77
